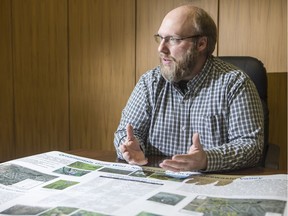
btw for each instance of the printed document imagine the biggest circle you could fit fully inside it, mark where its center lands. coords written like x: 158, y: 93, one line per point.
x: 57, y: 183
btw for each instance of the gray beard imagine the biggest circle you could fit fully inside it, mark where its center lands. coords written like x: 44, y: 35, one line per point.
x: 180, y: 70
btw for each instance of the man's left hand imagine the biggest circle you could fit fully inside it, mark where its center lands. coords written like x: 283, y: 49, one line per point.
x: 195, y: 159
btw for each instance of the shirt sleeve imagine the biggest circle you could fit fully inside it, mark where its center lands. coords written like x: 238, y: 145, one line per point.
x: 137, y: 113
x: 245, y: 142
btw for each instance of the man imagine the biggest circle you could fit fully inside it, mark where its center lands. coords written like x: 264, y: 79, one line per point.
x: 204, y: 113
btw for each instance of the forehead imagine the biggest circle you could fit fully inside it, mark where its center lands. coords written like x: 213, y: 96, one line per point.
x: 177, y: 22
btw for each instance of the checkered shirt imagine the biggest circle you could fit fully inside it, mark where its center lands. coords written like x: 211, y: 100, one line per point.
x: 221, y: 104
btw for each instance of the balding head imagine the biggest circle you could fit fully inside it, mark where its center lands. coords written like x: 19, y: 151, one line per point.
x: 189, y: 20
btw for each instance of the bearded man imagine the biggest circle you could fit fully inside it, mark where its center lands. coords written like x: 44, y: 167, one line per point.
x: 203, y: 113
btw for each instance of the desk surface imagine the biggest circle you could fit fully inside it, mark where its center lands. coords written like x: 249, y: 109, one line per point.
x: 110, y: 156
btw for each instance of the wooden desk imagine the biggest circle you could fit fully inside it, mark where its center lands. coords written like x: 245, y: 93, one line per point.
x: 110, y: 156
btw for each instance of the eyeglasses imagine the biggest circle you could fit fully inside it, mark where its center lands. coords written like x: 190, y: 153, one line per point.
x: 171, y: 40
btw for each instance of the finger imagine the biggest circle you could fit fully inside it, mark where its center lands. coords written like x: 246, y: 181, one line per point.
x: 174, y: 165
x: 169, y: 168
x: 139, y: 162
x: 130, y: 134
x: 135, y: 160
x: 181, y: 158
x: 196, y: 143
x: 122, y: 148
x: 127, y: 157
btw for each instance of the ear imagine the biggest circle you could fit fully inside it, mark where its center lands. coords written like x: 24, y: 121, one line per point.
x: 202, y: 43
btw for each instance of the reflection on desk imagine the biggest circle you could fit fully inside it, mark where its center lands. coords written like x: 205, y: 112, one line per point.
x: 153, y: 161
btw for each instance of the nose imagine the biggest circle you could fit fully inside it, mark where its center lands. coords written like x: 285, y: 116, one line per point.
x: 163, y: 47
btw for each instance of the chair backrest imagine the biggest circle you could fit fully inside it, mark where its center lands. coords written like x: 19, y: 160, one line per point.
x: 255, y: 69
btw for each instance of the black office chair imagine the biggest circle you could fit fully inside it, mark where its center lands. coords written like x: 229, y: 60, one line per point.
x: 257, y: 72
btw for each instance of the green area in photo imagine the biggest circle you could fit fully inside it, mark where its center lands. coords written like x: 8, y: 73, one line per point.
x: 143, y: 213
x: 116, y: 171
x: 87, y: 213
x: 163, y: 176
x: 84, y: 166
x: 141, y: 173
x: 60, y: 210
x: 61, y: 184
x: 71, y: 171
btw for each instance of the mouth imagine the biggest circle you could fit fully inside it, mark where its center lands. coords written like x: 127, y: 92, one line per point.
x: 166, y: 60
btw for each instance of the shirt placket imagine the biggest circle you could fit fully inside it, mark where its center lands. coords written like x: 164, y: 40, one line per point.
x: 184, y: 124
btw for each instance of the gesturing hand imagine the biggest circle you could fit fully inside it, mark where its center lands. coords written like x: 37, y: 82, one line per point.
x: 131, y: 150
x: 195, y: 159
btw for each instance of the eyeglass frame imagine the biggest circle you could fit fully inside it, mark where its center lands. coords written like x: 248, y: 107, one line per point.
x: 175, y: 40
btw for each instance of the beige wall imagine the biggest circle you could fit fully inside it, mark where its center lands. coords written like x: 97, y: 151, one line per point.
x: 68, y: 67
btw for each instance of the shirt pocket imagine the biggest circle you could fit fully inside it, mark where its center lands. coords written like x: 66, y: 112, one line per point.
x: 212, y: 130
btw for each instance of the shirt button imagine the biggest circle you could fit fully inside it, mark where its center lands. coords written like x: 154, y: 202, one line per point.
x: 183, y: 128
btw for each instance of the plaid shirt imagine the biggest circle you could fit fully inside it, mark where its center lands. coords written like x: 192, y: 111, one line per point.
x: 221, y: 104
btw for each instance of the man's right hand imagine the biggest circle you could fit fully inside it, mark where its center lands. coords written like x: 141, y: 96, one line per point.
x: 131, y: 150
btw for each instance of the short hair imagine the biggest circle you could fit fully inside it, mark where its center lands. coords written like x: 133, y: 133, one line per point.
x: 204, y: 25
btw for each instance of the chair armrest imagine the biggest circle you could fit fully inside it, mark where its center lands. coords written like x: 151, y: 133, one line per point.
x: 272, y: 156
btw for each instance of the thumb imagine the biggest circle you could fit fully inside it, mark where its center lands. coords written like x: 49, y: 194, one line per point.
x: 196, y: 143
x: 130, y: 134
